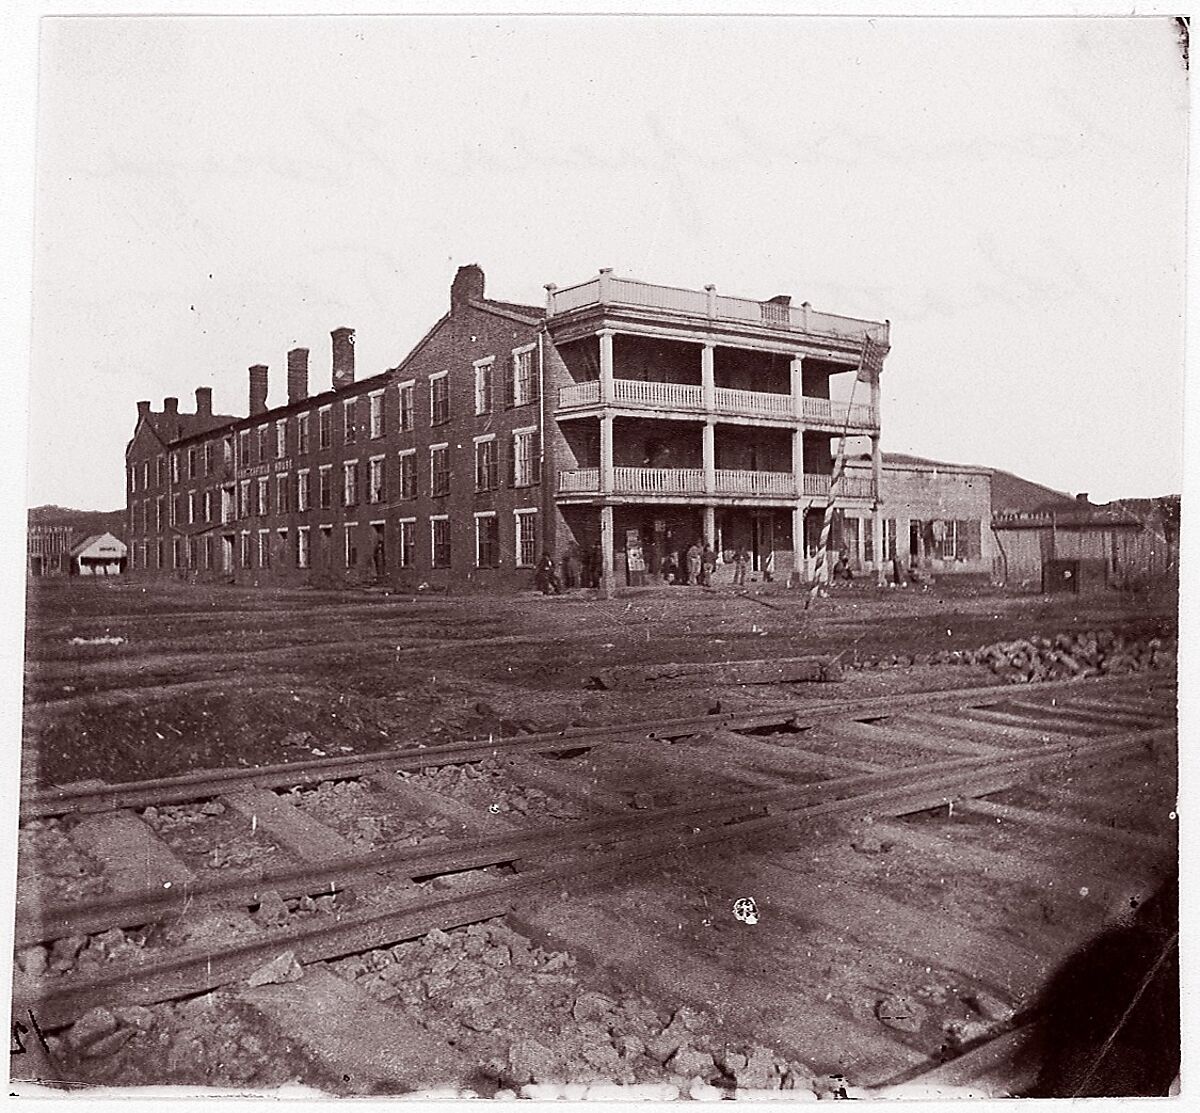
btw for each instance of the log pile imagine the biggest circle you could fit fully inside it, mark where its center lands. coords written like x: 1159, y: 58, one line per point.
x: 1091, y: 653
x: 1028, y: 660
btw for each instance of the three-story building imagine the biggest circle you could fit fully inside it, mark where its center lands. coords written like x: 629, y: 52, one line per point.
x: 622, y: 418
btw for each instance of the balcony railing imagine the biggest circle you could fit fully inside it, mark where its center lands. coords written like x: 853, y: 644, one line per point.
x: 610, y: 290
x: 659, y: 481
x: 755, y: 482
x: 576, y: 481
x: 849, y: 487
x: 637, y: 393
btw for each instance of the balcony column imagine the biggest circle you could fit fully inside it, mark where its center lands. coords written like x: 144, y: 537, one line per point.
x: 708, y: 383
x: 606, y: 454
x: 709, y: 456
x: 877, y: 511
x: 797, y: 368
x: 798, y: 561
x: 710, y: 525
x: 607, y: 579
x: 606, y: 366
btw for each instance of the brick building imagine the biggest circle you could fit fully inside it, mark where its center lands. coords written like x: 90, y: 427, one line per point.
x: 624, y: 416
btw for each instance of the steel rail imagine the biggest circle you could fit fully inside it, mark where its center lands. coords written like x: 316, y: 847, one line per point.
x: 62, y: 800
x: 58, y: 1003
x: 42, y: 924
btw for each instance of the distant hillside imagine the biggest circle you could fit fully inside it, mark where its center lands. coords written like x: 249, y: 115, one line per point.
x: 1012, y: 494
x: 83, y: 523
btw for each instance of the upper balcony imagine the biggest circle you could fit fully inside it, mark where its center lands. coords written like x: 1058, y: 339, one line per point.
x: 688, y: 399
x: 707, y: 306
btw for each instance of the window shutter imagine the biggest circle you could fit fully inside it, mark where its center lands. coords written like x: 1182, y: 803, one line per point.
x: 509, y: 388
x: 535, y: 460
x: 512, y: 461
x: 535, y: 383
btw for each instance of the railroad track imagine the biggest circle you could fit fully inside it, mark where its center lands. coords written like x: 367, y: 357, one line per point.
x: 470, y: 831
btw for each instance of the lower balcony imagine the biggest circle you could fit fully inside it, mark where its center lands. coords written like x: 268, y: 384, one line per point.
x: 690, y: 482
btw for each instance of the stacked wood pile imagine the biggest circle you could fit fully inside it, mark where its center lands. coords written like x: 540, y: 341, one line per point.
x: 1091, y: 653
x: 1027, y: 660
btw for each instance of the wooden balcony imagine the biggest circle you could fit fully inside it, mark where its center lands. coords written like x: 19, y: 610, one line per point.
x: 689, y: 483
x: 608, y: 289
x: 687, y: 397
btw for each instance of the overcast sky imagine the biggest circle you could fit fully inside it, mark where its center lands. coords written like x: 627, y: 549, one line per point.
x: 1008, y: 192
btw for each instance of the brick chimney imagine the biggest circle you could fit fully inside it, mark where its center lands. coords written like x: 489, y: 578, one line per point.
x: 258, y: 388
x: 143, y: 409
x: 343, y: 357
x: 204, y: 401
x: 468, y: 283
x: 170, y: 406
x: 1082, y: 498
x: 297, y: 375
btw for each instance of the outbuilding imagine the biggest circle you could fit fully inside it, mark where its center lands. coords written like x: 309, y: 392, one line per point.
x: 99, y: 555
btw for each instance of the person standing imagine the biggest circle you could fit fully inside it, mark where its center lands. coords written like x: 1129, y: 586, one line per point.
x: 693, y: 563
x: 708, y: 564
x: 741, y: 561
x: 545, y: 577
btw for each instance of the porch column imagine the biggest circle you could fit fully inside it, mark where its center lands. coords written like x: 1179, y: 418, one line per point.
x: 709, y: 456
x: 798, y: 560
x: 797, y: 368
x: 877, y: 504
x: 606, y: 366
x: 607, y: 579
x: 708, y: 385
x: 710, y: 525
x: 606, y: 454
x: 798, y: 569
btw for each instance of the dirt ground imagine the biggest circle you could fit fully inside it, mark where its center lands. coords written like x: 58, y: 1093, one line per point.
x: 217, y: 676
x: 126, y: 682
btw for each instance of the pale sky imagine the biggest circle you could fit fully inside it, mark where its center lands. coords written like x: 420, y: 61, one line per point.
x: 1008, y: 192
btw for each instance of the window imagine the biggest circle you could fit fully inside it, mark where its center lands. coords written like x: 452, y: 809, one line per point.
x: 158, y: 509
x: 440, y: 530
x: 263, y: 436
x: 303, y: 492
x: 227, y: 451
x: 376, y: 403
x: 439, y: 469
x: 349, y: 420
x: 350, y: 536
x: 191, y: 508
x: 302, y: 434
x: 174, y: 467
x: 208, y: 506
x: 406, y: 405
x: 956, y: 540
x: 324, y: 487
x: 160, y: 464
x: 228, y: 504
x: 485, y: 463
x: 244, y: 498
x: 175, y: 561
x: 408, y: 474
x: 159, y: 553
x: 264, y: 496
x: 191, y: 463
x: 439, y: 398
x: 281, y: 546
x: 206, y: 553
x: 350, y: 483
x: 407, y: 526
x: 483, y: 386
x: 145, y: 476
x: 208, y: 457
x: 264, y: 548
x: 375, y: 479
x: 521, y: 384
x: 526, y: 458
x: 280, y: 439
x: 243, y: 448
x: 177, y: 510
x: 487, y: 540
x: 282, y: 482
x: 325, y: 427
x: 302, y: 550
x: 245, y: 547
x: 525, y: 545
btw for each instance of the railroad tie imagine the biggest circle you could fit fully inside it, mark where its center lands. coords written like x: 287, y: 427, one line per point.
x: 133, y: 856
x: 301, y: 836
x: 907, y: 737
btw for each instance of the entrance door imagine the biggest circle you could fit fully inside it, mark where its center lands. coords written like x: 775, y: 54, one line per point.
x: 227, y: 552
